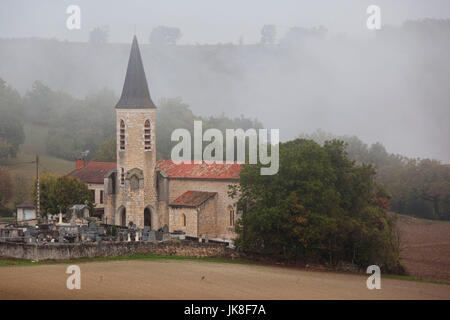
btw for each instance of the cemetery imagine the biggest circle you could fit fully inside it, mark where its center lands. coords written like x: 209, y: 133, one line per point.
x: 79, y: 236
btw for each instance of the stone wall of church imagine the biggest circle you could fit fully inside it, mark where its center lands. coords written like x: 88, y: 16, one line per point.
x: 135, y: 200
x: 223, y: 227
x: 207, y: 219
x: 176, y: 220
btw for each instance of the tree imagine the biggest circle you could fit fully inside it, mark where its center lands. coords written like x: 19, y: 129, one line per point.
x: 174, y: 113
x: 6, y: 187
x: 107, y: 151
x: 163, y: 35
x: 22, y: 188
x: 268, y: 34
x: 433, y: 184
x: 298, y: 34
x: 319, y: 207
x: 61, y: 192
x: 92, y: 119
x: 5, y: 150
x: 99, y: 35
x: 11, y: 121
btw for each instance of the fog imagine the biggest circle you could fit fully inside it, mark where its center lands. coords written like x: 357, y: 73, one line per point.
x: 391, y: 85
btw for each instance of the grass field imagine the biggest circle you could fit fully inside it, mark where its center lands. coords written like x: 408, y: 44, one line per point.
x: 23, y: 168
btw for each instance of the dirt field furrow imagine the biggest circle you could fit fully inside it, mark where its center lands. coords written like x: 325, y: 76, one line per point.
x: 201, y: 280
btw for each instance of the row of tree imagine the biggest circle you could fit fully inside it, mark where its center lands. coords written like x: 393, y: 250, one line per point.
x: 164, y: 35
x: 418, y: 187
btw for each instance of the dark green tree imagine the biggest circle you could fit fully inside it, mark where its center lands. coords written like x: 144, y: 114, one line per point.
x: 106, y: 151
x: 61, y: 192
x: 320, y: 206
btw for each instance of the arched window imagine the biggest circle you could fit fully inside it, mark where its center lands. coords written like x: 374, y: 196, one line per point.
x: 122, y: 135
x: 231, y: 210
x: 183, y: 220
x: 147, y: 135
x: 122, y: 176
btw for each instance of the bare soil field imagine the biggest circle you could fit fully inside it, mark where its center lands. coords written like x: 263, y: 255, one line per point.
x: 201, y: 280
x: 425, y: 247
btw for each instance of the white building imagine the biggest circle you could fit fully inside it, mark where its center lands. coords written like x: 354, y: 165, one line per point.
x: 26, y: 211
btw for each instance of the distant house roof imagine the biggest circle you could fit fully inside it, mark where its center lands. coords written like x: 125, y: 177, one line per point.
x: 202, y: 170
x: 26, y: 204
x: 93, y: 172
x: 135, y: 94
x: 192, y: 199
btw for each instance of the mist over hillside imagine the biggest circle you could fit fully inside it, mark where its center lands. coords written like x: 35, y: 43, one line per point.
x: 393, y: 87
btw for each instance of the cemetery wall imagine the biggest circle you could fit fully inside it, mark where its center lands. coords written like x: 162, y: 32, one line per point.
x: 93, y: 250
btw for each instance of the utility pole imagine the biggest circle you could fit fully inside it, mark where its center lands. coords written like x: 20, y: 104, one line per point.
x: 38, y: 204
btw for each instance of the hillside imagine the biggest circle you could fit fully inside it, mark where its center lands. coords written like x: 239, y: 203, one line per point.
x: 296, y: 87
x: 23, y: 167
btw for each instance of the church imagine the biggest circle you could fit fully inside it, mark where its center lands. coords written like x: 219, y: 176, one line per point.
x: 187, y: 197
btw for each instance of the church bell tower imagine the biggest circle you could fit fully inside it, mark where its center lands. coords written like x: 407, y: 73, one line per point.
x: 136, y: 148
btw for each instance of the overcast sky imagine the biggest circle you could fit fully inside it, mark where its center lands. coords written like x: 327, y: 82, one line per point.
x: 204, y: 21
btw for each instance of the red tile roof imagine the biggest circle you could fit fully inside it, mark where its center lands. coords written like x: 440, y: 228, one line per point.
x: 93, y: 172
x: 192, y: 199
x: 204, y: 170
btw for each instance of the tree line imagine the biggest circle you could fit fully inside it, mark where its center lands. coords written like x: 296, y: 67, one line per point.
x: 417, y: 187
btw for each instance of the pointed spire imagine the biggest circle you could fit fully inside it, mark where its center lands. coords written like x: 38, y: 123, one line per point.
x: 135, y: 94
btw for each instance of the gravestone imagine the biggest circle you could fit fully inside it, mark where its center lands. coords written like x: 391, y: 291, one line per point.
x: 166, y: 237
x: 151, y: 236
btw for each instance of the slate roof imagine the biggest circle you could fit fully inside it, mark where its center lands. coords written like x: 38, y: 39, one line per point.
x: 135, y: 94
x: 204, y: 170
x: 26, y: 204
x: 192, y: 199
x: 93, y: 172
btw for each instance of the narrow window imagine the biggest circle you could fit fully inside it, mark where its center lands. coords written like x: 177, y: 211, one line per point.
x: 231, y: 217
x: 101, y: 196
x: 93, y: 195
x: 122, y: 176
x: 184, y: 220
x: 147, y: 135
x: 122, y: 135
